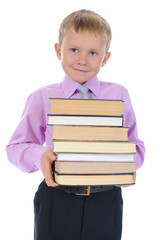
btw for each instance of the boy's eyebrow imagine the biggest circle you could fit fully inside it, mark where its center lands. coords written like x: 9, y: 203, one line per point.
x: 94, y: 50
x: 73, y: 46
x: 78, y: 47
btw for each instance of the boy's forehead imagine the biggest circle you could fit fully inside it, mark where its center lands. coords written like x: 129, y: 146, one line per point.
x: 85, y: 31
x: 83, y: 34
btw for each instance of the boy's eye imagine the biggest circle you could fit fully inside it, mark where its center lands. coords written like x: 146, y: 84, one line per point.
x: 93, y: 53
x: 74, y: 50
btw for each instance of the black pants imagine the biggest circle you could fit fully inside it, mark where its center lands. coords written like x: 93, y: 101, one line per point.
x: 64, y: 216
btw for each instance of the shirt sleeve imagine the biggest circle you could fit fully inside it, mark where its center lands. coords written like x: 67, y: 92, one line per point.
x: 130, y: 122
x: 25, y: 148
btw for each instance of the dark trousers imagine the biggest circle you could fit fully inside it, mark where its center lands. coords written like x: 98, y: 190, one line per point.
x: 64, y: 216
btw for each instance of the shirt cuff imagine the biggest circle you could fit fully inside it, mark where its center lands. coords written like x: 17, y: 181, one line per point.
x: 36, y: 154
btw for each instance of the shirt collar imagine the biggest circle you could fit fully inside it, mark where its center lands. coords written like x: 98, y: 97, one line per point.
x: 69, y: 86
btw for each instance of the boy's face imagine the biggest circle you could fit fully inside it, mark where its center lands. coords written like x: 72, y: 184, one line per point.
x: 82, y: 54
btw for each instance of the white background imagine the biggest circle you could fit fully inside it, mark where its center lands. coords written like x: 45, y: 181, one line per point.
x: 29, y: 30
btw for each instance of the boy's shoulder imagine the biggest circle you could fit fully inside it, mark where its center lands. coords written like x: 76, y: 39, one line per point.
x: 113, y: 85
x: 49, y: 90
x: 52, y: 87
x: 113, y: 89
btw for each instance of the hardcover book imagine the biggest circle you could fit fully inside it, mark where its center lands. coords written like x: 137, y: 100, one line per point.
x: 86, y: 107
x: 95, y: 157
x: 85, y: 120
x: 91, y: 133
x: 94, y: 147
x: 84, y: 167
x: 107, y: 179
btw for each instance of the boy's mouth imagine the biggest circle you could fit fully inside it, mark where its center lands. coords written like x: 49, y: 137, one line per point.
x: 82, y: 70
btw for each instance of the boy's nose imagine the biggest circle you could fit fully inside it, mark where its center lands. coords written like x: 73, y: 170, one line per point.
x: 82, y: 59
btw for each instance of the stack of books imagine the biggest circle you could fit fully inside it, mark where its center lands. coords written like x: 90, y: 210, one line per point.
x: 91, y: 143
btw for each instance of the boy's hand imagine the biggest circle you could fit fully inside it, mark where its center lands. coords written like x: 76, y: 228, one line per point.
x: 46, y: 164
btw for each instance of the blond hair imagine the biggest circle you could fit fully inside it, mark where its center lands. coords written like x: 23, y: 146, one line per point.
x: 86, y: 20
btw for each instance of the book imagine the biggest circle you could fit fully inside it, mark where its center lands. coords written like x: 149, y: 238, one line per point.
x: 95, y: 157
x: 84, y: 167
x: 85, y: 120
x: 92, y: 179
x: 91, y: 143
x: 91, y: 133
x: 94, y: 147
x: 102, y: 107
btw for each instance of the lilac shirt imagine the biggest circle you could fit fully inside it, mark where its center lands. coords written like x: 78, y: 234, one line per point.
x: 25, y: 148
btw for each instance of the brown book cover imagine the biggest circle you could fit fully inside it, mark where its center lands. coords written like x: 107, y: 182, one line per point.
x: 94, y: 147
x: 91, y: 133
x: 62, y: 106
x: 79, y: 167
x: 107, y: 179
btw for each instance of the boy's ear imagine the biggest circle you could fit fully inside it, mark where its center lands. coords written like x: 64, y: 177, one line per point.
x: 58, y: 50
x: 105, y: 59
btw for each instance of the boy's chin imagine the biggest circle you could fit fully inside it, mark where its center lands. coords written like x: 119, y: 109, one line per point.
x: 80, y: 79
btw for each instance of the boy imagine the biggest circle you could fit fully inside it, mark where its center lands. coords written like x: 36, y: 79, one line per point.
x: 61, y: 213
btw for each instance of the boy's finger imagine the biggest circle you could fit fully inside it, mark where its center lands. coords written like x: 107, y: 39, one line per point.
x: 52, y: 156
x: 49, y: 178
x: 50, y: 183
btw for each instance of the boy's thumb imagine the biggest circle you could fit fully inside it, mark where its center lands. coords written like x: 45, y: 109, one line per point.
x: 53, y: 156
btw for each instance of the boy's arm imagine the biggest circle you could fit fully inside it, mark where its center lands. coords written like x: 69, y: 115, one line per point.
x: 25, y: 148
x: 130, y: 121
